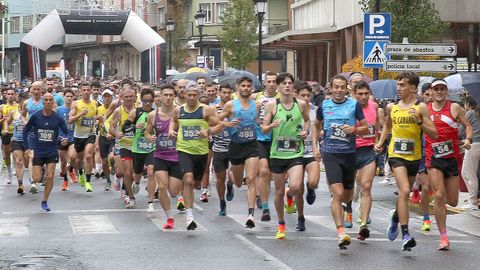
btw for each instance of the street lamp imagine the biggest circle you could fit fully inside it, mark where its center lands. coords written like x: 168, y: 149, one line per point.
x: 200, y: 21
x: 170, y: 28
x: 260, y: 9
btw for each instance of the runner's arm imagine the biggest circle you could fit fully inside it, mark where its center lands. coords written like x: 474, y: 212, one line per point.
x: 149, y: 128
x: 267, y: 120
x: 385, y: 129
x: 462, y: 119
x: 427, y: 124
x: 172, y: 131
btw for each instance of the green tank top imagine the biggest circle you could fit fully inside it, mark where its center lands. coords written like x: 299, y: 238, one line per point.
x: 189, y: 125
x: 140, y: 144
x: 286, y: 141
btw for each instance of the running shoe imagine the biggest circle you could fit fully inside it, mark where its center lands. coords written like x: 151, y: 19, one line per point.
x: 280, y: 235
x: 82, y: 179
x: 259, y: 202
x: 209, y: 191
x: 155, y: 195
x: 73, y: 177
x: 180, y: 204
x: 444, y: 243
x: 108, y: 186
x: 230, y: 191
x: 290, y: 204
x: 348, y: 220
x: 392, y: 230
x: 415, y: 196
x: 250, y: 224
x: 311, y: 196
x: 223, y: 209
x: 21, y: 190
x: 88, y: 187
x: 343, y: 240
x: 300, y: 224
x: 408, y: 242
x: 33, y: 188
x: 150, y: 208
x: 426, y: 225
x: 130, y: 204
x: 9, y: 178
x: 45, y: 207
x: 169, y: 225
x: 135, y: 188
x: 364, y: 233
x: 65, y: 185
x: 97, y: 175
x: 204, y: 197
x: 266, y: 215
x: 191, y: 225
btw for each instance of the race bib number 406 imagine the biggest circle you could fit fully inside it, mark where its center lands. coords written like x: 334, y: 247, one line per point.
x: 45, y: 135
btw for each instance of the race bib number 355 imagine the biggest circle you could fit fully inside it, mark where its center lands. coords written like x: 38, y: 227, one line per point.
x: 45, y: 135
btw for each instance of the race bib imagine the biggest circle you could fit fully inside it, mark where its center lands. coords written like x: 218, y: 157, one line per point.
x: 191, y: 132
x: 286, y: 145
x: 442, y: 149
x: 308, y: 147
x: 45, y: 135
x: 246, y: 133
x: 71, y: 127
x: 129, y: 134
x: 338, y: 133
x: 144, y: 145
x: 87, y: 122
x: 165, y: 143
x: 371, y: 132
x: 403, y: 146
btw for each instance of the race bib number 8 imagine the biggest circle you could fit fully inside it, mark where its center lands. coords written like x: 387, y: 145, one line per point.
x: 87, y: 121
x: 191, y: 132
x: 286, y: 145
x: 45, y: 135
x: 403, y: 146
x: 442, y: 149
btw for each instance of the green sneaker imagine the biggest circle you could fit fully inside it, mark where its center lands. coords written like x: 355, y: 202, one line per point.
x: 88, y: 187
x: 82, y: 179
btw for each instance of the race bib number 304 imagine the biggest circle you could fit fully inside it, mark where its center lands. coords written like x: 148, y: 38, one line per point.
x: 45, y: 135
x: 144, y: 145
x: 403, y: 146
x: 442, y: 149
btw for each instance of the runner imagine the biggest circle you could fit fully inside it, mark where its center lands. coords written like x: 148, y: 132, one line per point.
x: 7, y: 130
x: 265, y: 141
x: 45, y: 125
x: 105, y: 140
x: 168, y: 173
x: 192, y: 121
x: 67, y: 151
x: 442, y: 154
x: 339, y: 116
x: 288, y: 120
x: 84, y: 114
x: 180, y: 91
x: 407, y: 119
x: 310, y: 165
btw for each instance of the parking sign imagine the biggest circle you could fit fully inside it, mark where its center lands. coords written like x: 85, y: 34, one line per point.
x: 377, y: 26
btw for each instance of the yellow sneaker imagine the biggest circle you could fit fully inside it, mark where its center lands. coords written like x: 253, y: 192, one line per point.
x: 280, y: 235
x: 343, y: 240
x: 426, y: 226
x: 88, y: 187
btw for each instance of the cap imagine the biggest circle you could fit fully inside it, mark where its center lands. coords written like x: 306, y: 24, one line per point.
x: 426, y: 86
x: 107, y: 91
x: 438, y: 82
x: 192, y: 84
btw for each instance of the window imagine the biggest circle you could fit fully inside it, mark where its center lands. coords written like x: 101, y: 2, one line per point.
x: 15, y: 25
x: 207, y: 8
x: 161, y: 17
x: 139, y: 10
x: 27, y: 23
x: 220, y: 10
x: 40, y: 17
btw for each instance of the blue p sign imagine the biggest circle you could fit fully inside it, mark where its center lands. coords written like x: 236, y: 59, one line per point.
x: 377, y: 26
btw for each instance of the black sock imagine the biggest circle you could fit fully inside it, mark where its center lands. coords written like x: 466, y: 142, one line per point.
x: 223, y: 203
x: 348, y: 208
x: 88, y: 177
x: 404, y: 229
x: 395, y: 216
x: 65, y: 177
x: 80, y: 171
x: 108, y: 178
x: 70, y: 168
x: 251, y: 211
x: 301, y: 218
x: 20, y: 182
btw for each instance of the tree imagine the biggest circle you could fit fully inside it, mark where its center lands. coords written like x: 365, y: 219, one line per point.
x: 238, y: 35
x: 179, y: 49
x: 418, y: 20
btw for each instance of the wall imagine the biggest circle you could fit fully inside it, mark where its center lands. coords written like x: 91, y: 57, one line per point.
x: 458, y: 10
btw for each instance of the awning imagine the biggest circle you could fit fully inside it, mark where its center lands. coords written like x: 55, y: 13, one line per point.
x: 297, y: 39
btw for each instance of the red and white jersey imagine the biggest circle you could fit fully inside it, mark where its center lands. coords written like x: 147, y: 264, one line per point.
x: 446, y: 145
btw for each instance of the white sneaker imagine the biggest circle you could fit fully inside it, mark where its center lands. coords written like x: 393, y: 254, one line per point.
x: 469, y: 206
x: 9, y: 178
x: 135, y: 188
x: 150, y: 208
x: 209, y: 192
x: 33, y: 188
x: 130, y: 204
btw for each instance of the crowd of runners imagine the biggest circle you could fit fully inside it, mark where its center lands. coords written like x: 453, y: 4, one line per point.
x: 173, y: 134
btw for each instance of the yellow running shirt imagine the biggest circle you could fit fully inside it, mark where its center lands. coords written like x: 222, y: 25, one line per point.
x: 85, y: 125
x: 406, y: 140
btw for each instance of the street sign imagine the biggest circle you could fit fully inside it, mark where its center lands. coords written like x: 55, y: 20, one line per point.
x: 377, y: 26
x: 421, y: 66
x: 373, y: 53
x: 421, y: 49
x: 200, y: 61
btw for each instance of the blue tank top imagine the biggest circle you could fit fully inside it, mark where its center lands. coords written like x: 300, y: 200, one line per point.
x: 64, y: 112
x: 32, y: 108
x: 246, y: 131
x: 335, y: 140
x: 18, y: 126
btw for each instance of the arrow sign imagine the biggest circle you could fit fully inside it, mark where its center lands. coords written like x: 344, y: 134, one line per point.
x: 421, y: 49
x: 421, y: 66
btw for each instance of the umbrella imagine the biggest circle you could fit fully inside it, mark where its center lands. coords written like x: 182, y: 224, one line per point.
x: 179, y: 76
x: 195, y: 75
x: 171, y: 72
x: 365, y: 77
x: 215, y: 73
x: 196, y: 69
x: 471, y: 82
x: 242, y: 73
x: 455, y: 88
x: 384, y: 89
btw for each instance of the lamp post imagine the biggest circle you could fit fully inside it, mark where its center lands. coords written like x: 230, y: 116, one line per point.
x: 200, y: 21
x: 170, y: 28
x: 260, y: 9
x: 3, y: 11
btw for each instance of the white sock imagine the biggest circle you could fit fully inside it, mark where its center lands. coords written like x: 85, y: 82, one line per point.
x: 98, y: 167
x: 169, y: 213
x: 189, y: 213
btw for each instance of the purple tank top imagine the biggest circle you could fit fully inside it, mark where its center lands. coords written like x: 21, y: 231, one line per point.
x: 166, y: 147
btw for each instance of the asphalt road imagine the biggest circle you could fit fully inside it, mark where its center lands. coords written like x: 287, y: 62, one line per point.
x: 95, y: 231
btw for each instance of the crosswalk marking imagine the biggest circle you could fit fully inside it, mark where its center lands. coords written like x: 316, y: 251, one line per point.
x: 91, y: 224
x: 14, y: 226
x: 180, y: 223
x: 328, y: 238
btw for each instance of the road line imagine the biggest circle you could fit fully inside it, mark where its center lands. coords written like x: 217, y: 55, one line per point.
x: 14, y: 226
x: 180, y: 224
x: 80, y: 211
x: 325, y: 238
x: 267, y: 257
x: 91, y: 224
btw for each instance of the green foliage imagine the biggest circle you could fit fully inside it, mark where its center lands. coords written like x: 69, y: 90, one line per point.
x: 418, y: 20
x: 238, y: 35
x: 179, y: 48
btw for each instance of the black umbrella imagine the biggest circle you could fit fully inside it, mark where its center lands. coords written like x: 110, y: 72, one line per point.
x: 471, y: 82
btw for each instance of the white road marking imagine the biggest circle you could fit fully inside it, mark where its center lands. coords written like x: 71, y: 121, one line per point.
x: 91, y: 224
x: 80, y: 211
x: 326, y: 238
x: 14, y: 226
x: 267, y: 257
x: 259, y: 225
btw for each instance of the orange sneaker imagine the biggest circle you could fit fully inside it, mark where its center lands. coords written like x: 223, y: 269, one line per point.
x: 65, y: 185
x: 416, y: 196
x: 444, y: 243
x: 169, y: 225
x: 73, y: 177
